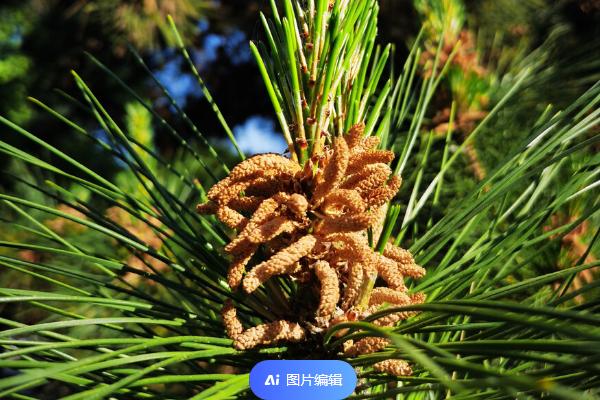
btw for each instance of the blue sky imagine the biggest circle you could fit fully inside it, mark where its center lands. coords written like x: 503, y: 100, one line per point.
x: 258, y: 135
x: 174, y: 74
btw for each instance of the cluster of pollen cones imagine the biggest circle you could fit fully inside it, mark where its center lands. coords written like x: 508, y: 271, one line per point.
x: 312, y: 223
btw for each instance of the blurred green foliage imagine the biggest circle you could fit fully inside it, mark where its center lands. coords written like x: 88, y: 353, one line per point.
x: 15, y: 66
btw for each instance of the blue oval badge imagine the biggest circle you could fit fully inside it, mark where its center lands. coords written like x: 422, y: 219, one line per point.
x: 302, y: 379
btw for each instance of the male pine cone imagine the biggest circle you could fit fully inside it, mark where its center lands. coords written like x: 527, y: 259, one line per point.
x: 313, y: 221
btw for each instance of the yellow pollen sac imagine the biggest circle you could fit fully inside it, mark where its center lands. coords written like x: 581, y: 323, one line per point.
x: 295, y: 202
x: 279, y: 264
x: 366, y: 345
x: 238, y: 267
x: 215, y: 193
x: 264, y: 334
x: 393, y: 367
x: 382, y: 295
x: 272, y: 228
x: 369, y: 178
x: 246, y: 203
x: 263, y: 212
x: 360, y: 160
x: 334, y: 171
x: 388, y: 270
x: 342, y: 201
x: 398, y: 254
x: 405, y: 260
x: 207, y: 208
x: 355, y: 135
x: 383, y: 194
x: 264, y: 165
x: 353, y: 284
x: 233, y: 326
x: 351, y: 223
x: 393, y: 318
x: 267, y: 334
x: 231, y: 218
x: 368, y: 143
x: 330, y: 289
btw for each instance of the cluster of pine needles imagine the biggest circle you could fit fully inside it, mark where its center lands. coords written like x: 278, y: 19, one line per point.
x: 369, y: 239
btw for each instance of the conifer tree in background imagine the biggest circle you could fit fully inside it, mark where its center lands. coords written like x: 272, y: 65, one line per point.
x: 126, y: 282
x: 144, y: 23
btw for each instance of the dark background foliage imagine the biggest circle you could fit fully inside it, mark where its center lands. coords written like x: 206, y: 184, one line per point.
x: 42, y: 40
